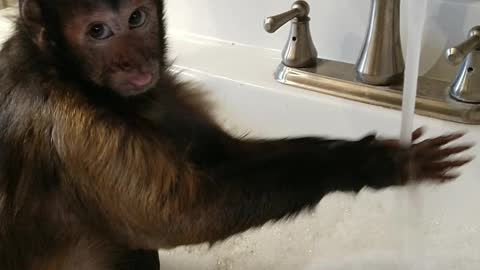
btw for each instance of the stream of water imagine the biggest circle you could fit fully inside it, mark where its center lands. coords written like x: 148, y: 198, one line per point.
x: 412, y: 203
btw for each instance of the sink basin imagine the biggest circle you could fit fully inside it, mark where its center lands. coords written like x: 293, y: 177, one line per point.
x: 372, y: 230
x: 7, y: 16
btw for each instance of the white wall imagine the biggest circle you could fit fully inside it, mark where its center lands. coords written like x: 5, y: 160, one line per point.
x: 338, y: 26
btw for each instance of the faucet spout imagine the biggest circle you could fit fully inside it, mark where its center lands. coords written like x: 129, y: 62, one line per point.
x: 381, y: 60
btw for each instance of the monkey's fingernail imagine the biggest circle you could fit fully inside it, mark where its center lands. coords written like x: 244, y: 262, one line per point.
x: 469, y: 145
x: 448, y: 180
x: 462, y: 162
x: 453, y: 176
x: 465, y: 147
x: 417, y: 134
x: 456, y: 135
x: 459, y: 149
x: 450, y: 177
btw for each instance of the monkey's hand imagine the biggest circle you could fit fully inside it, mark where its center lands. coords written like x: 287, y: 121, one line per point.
x: 430, y: 159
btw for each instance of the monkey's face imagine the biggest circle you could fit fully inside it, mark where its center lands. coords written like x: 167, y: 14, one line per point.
x: 117, y: 48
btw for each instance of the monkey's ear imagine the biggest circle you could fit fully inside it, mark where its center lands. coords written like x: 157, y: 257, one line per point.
x: 31, y: 14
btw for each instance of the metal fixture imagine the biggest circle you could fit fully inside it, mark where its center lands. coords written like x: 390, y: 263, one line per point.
x: 339, y: 79
x: 299, y: 50
x: 381, y: 60
x: 376, y: 79
x: 466, y: 86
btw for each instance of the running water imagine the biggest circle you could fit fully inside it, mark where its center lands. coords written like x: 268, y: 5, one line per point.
x: 412, y: 204
x: 416, y: 20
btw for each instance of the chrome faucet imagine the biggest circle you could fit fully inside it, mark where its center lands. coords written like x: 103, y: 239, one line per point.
x: 381, y: 60
x: 376, y: 78
x: 299, y: 52
x: 466, y: 86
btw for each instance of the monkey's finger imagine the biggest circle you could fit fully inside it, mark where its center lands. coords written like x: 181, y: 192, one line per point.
x: 417, y: 134
x: 445, y: 177
x: 439, y: 141
x: 446, y: 152
x: 369, y: 138
x: 443, y: 166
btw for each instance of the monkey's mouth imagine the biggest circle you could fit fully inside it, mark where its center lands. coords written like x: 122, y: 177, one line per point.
x: 134, y: 82
x: 138, y: 83
x: 140, y: 80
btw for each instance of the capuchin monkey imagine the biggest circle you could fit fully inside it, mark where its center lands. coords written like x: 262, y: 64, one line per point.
x: 105, y: 157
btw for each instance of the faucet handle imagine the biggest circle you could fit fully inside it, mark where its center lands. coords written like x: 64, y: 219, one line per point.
x: 457, y: 54
x: 300, y: 9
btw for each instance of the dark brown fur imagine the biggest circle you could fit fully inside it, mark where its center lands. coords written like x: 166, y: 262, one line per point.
x: 92, y: 179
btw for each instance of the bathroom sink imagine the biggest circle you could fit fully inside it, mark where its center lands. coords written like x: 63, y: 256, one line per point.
x: 6, y: 23
x: 365, y: 231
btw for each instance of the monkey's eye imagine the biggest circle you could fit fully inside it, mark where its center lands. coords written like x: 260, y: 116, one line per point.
x: 137, y: 19
x: 99, y: 31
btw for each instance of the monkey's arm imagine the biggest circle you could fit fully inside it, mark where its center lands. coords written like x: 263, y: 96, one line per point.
x: 148, y: 194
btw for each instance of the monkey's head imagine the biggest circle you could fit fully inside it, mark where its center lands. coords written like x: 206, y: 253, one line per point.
x: 114, y: 44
